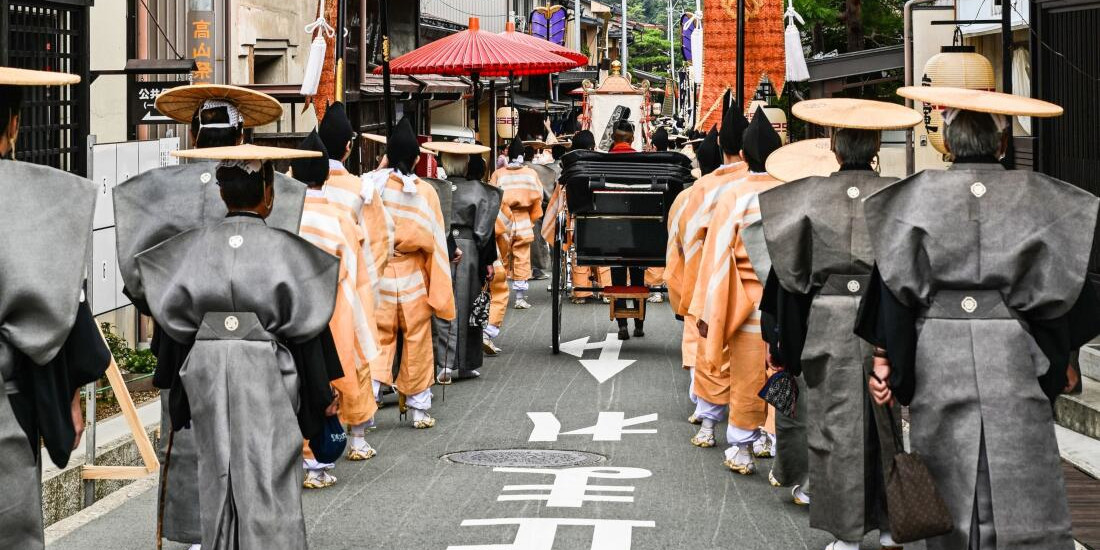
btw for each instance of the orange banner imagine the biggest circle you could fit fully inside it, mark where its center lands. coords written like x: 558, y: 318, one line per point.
x: 764, y: 53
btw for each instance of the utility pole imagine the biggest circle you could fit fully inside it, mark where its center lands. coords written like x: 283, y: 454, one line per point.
x: 577, y: 26
x: 1007, y: 46
x: 624, y: 47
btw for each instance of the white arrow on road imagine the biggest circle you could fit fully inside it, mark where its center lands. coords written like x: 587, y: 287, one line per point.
x: 608, y: 364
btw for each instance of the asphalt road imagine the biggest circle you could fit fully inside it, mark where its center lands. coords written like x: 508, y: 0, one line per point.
x: 410, y: 497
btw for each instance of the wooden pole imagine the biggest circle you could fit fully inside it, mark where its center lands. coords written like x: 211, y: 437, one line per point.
x: 387, y: 99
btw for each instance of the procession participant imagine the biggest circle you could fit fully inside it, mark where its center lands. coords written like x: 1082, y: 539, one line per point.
x: 417, y: 281
x: 675, y: 260
x: 50, y: 345
x: 654, y: 276
x: 474, y: 209
x: 161, y: 203
x: 520, y: 207
x: 333, y: 230
x: 821, y: 260
x: 358, y: 196
x: 621, y: 140
x: 732, y: 358
x: 993, y: 266
x: 548, y: 171
x: 692, y: 224
x: 254, y: 300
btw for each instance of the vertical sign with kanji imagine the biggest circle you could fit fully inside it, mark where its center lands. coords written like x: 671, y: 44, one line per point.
x: 201, y: 45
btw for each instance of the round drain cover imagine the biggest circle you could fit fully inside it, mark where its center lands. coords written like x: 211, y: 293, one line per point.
x: 525, y: 458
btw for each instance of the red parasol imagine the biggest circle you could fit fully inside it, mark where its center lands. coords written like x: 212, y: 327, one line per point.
x: 478, y: 53
x: 510, y: 33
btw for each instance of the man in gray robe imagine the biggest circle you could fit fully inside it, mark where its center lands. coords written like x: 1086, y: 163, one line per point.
x: 981, y: 289
x: 50, y: 345
x: 254, y: 299
x: 821, y: 261
x: 162, y: 203
x: 474, y: 208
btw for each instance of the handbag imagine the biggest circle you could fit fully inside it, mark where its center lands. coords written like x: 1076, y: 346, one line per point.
x: 329, y: 444
x: 915, y: 508
x: 781, y: 392
x: 479, y: 311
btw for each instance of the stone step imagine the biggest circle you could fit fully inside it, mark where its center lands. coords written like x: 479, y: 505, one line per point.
x: 1090, y: 361
x: 1081, y: 413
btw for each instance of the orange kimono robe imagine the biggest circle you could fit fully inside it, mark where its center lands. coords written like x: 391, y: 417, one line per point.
x: 361, y: 199
x: 353, y: 328
x: 521, y: 205
x: 416, y: 284
x: 731, y: 310
x: 674, y: 276
x: 695, y: 222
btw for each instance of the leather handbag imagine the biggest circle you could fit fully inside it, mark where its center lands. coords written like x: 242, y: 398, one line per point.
x: 914, y: 505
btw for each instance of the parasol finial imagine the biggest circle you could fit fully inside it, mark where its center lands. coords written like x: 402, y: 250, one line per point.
x: 475, y: 24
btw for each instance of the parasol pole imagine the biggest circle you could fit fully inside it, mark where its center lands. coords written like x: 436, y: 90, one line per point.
x: 387, y: 99
x: 492, y: 164
x: 741, y: 55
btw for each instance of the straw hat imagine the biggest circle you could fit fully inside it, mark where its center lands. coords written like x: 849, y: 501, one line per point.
x: 535, y: 144
x: 378, y: 138
x: 257, y: 108
x: 980, y: 101
x: 859, y: 114
x: 10, y: 76
x: 455, y: 148
x: 802, y: 159
x: 245, y: 152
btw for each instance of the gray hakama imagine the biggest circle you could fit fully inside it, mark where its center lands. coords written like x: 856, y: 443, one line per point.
x: 150, y: 208
x: 976, y: 268
x: 821, y: 261
x: 244, y: 293
x: 474, y: 209
x: 791, y: 464
x: 49, y: 343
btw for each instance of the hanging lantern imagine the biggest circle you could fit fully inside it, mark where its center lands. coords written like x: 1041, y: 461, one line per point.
x: 507, y: 120
x: 957, y: 66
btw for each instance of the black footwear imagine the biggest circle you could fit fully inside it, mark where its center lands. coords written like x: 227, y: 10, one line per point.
x: 624, y: 334
x: 638, y: 330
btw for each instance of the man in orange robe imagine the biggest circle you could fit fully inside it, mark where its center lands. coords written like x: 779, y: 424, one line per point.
x: 520, y: 208
x: 692, y: 226
x: 417, y: 281
x: 333, y: 230
x: 729, y: 319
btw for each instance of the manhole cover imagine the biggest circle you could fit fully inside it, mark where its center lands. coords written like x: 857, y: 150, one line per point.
x: 525, y: 458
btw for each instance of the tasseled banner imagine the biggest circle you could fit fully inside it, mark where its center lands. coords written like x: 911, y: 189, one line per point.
x: 792, y: 40
x: 326, y: 87
x: 317, y: 51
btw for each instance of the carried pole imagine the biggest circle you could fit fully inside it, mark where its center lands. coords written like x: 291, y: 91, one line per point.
x: 741, y: 55
x: 577, y: 26
x: 387, y: 99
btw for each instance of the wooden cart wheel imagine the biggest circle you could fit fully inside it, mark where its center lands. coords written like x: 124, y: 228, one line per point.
x: 556, y: 284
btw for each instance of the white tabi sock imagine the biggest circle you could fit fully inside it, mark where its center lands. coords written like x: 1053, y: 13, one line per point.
x: 841, y: 545
x: 707, y: 427
x: 884, y: 539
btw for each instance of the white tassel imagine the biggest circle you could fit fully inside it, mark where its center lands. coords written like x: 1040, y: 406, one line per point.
x: 792, y: 41
x: 317, y: 50
x: 312, y: 77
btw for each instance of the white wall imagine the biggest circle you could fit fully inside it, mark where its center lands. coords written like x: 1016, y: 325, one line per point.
x: 108, y: 113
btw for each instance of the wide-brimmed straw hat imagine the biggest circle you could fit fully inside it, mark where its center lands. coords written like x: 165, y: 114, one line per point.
x: 257, y: 108
x: 980, y: 101
x: 245, y: 152
x: 10, y: 76
x: 802, y: 159
x: 379, y: 138
x: 455, y: 147
x: 858, y: 114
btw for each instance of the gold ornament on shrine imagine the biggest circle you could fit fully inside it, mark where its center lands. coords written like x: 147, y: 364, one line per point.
x: 957, y: 66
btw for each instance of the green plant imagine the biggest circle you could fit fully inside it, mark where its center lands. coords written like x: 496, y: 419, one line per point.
x: 142, y: 361
x: 117, y: 344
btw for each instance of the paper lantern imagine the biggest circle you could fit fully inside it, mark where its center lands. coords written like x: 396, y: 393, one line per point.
x: 775, y: 115
x: 507, y: 121
x: 959, y: 67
